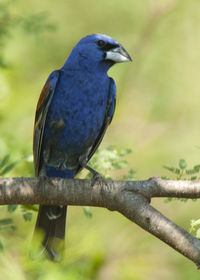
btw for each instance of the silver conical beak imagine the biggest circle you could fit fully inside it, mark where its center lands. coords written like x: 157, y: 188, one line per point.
x: 118, y: 54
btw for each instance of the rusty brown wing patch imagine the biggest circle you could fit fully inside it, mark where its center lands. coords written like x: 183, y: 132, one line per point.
x: 40, y: 117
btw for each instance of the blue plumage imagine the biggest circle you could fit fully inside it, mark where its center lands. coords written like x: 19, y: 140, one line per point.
x: 74, y: 110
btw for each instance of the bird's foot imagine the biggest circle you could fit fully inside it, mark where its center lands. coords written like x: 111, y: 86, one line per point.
x: 97, y: 178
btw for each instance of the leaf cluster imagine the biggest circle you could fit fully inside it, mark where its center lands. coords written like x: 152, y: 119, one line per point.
x: 30, y: 24
x: 181, y: 171
x: 6, y: 166
x: 7, y: 224
x: 111, y: 159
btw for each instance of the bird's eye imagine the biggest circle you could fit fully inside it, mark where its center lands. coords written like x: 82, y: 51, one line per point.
x: 101, y: 43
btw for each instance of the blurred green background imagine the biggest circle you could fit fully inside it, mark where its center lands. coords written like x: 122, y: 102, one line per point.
x: 157, y: 116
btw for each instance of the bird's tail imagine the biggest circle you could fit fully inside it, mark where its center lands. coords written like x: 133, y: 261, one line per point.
x: 50, y: 223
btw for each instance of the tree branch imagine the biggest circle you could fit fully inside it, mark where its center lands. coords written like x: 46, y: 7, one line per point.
x: 130, y: 198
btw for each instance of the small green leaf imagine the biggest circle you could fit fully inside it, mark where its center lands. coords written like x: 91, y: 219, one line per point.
x: 26, y: 207
x: 194, y: 199
x: 168, y: 199
x: 182, y: 164
x: 12, y: 208
x: 183, y: 199
x: 110, y: 148
x: 195, y: 223
x: 1, y: 246
x: 130, y: 175
x: 27, y: 216
x: 172, y: 169
x: 197, y: 168
x: 13, y: 228
x: 124, y: 152
x: 8, y: 228
x: 4, y: 161
x: 198, y: 233
x: 190, y: 171
x: 8, y: 168
x: 132, y: 171
x: 87, y: 211
x: 119, y: 165
x: 6, y: 221
x: 165, y: 178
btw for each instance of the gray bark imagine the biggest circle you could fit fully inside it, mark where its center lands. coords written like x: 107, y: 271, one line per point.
x: 130, y: 198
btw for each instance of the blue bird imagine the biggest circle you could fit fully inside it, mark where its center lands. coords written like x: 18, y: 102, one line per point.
x: 74, y: 110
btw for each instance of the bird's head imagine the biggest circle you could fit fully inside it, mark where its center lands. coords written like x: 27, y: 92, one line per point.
x: 97, y: 50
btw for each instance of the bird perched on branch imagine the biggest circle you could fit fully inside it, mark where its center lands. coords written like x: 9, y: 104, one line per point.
x: 74, y: 110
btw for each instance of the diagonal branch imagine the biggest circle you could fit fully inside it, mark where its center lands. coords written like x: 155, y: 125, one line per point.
x: 130, y: 198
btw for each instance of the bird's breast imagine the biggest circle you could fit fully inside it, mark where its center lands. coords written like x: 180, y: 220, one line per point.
x: 74, y: 119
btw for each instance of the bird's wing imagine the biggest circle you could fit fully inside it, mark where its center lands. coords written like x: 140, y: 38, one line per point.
x: 108, y: 117
x: 40, y: 116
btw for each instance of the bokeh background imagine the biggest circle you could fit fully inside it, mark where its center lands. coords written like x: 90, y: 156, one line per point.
x: 157, y: 116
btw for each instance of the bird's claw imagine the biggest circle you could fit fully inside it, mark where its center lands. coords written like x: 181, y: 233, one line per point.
x: 97, y: 178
